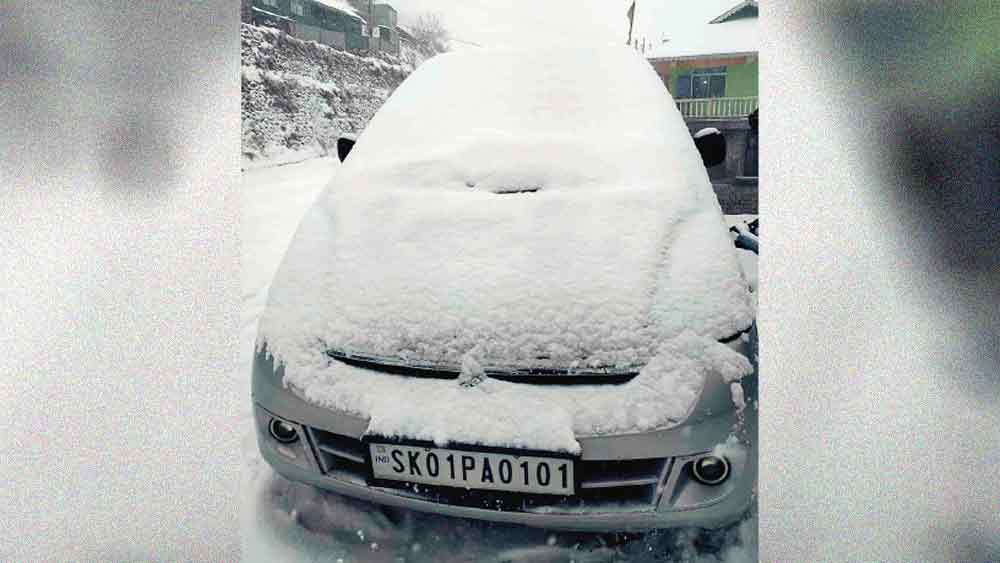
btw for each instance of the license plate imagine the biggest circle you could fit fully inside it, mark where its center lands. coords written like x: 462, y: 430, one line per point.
x: 472, y: 470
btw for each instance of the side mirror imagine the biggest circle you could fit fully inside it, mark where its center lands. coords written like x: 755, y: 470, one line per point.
x: 344, y: 146
x: 712, y: 146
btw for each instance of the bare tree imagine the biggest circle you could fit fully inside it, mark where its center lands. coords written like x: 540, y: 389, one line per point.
x: 430, y: 32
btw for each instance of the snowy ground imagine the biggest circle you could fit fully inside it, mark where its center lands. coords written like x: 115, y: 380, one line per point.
x: 283, y: 521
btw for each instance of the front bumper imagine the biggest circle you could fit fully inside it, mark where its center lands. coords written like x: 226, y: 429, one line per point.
x: 638, y: 481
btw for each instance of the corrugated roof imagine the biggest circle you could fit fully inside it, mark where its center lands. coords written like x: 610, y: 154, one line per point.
x: 340, y: 5
x: 729, y: 38
x: 272, y: 14
x: 746, y: 4
x: 689, y: 32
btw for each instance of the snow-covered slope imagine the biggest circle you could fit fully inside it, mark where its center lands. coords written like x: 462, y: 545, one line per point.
x: 299, y: 96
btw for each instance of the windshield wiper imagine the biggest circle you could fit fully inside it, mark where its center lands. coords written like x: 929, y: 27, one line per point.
x: 398, y: 367
x: 733, y: 337
x: 539, y: 375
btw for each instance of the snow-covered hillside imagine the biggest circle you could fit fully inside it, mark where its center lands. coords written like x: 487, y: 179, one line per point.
x: 299, y: 96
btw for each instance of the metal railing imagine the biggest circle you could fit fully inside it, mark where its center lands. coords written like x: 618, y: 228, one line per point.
x: 717, y: 107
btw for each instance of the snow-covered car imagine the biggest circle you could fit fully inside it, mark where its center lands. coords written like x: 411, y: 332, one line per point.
x: 517, y: 301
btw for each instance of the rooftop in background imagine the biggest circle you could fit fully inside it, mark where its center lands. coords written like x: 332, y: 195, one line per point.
x: 737, y: 37
x: 698, y: 29
x: 341, y: 5
x: 746, y: 9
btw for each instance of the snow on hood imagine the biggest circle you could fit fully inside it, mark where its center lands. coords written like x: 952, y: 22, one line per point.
x: 410, y: 253
x: 585, y: 280
x: 517, y: 415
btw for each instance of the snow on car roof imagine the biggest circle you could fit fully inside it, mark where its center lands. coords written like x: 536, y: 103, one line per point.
x: 620, y: 258
x: 558, y: 118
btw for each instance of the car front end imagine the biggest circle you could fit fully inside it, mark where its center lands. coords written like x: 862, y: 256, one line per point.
x: 701, y: 472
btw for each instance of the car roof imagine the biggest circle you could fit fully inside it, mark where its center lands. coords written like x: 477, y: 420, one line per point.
x: 555, y: 118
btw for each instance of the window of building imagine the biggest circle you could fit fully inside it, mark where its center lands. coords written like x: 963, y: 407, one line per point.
x: 702, y: 83
x: 271, y: 3
x: 296, y: 7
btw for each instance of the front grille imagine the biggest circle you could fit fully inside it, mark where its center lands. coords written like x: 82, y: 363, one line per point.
x: 340, y: 457
x: 602, y: 485
x: 632, y: 498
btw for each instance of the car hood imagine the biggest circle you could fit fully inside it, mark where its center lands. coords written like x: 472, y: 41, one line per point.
x: 585, y: 279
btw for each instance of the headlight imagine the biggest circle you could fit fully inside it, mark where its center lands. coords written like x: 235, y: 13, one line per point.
x: 283, y: 431
x: 710, y: 469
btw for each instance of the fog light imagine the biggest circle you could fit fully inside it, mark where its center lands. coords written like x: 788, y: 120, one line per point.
x: 283, y: 431
x: 710, y: 470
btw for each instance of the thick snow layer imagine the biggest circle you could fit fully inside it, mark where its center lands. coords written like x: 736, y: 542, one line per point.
x: 620, y: 259
x: 399, y: 275
x: 561, y: 119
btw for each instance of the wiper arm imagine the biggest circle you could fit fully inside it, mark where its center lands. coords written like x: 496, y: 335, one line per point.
x: 559, y: 376
x: 396, y: 367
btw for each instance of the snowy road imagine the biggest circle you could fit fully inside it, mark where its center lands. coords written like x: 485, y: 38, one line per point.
x: 283, y: 521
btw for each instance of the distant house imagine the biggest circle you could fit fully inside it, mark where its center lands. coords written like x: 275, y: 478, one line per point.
x: 332, y: 22
x: 385, y: 34
x: 710, y: 64
x: 382, y: 26
x: 357, y: 25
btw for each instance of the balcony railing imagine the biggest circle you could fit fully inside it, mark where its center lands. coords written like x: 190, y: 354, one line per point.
x: 717, y: 107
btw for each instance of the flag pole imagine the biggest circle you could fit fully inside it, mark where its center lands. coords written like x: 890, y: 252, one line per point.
x: 631, y: 18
